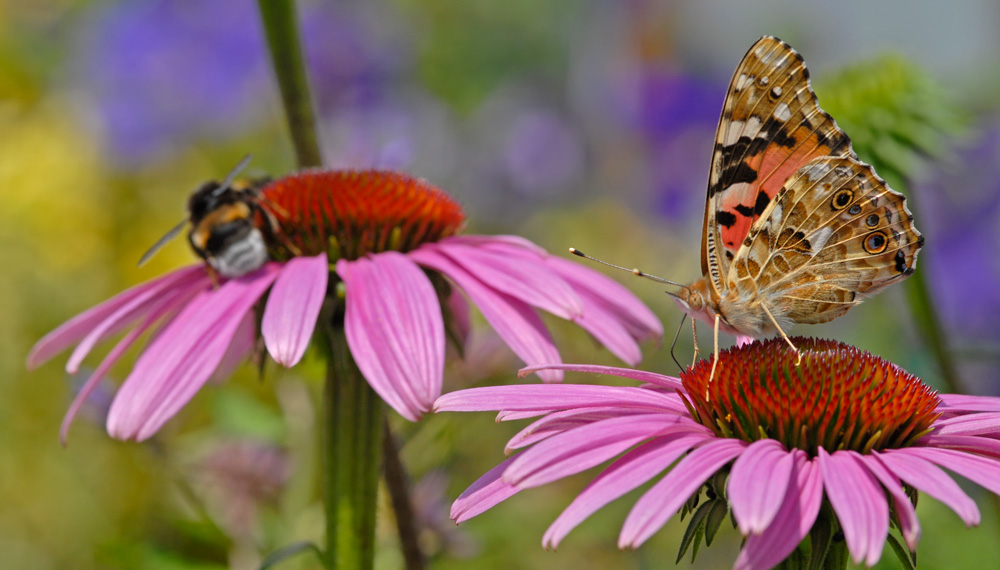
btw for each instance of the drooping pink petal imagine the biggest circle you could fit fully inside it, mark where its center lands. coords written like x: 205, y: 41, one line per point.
x: 293, y: 306
x: 580, y: 449
x: 499, y: 243
x: 792, y: 523
x: 519, y: 273
x: 664, y: 498
x: 169, y: 294
x: 927, y: 478
x: 909, y: 525
x: 757, y: 484
x: 179, y: 361
x: 113, y: 357
x: 626, y: 473
x: 610, y: 297
x: 395, y: 330
x: 640, y: 375
x: 461, y: 322
x: 515, y: 322
x: 243, y: 343
x: 608, y: 331
x: 859, y: 502
x: 79, y: 326
x: 551, y: 398
x: 487, y: 492
x: 982, y: 471
x: 743, y: 340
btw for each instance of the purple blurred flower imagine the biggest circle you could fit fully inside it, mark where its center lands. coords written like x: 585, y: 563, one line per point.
x: 960, y: 205
x: 165, y: 72
x: 392, y: 311
x: 900, y: 434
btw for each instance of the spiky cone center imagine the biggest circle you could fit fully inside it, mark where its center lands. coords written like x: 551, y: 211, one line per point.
x: 351, y: 213
x: 839, y: 397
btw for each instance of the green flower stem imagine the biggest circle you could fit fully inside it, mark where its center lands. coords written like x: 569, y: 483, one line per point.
x: 353, y: 445
x: 282, y: 32
x: 398, y: 485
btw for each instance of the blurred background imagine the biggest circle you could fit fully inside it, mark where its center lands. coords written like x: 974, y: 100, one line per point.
x: 584, y: 123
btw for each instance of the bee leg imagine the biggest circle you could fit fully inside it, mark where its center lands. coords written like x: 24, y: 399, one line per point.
x: 798, y: 352
x: 212, y: 274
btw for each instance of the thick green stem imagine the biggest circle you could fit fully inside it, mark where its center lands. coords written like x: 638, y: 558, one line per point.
x: 282, y: 32
x: 353, y: 445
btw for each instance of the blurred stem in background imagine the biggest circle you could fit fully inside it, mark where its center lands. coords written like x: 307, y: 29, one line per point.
x: 353, y: 422
x: 282, y: 32
x: 898, y: 118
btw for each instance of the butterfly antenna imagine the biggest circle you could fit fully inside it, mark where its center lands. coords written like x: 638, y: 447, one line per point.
x: 634, y: 271
x: 232, y: 175
x: 171, y: 234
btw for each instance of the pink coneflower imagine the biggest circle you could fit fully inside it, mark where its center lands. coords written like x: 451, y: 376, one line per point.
x: 845, y: 427
x: 396, y: 260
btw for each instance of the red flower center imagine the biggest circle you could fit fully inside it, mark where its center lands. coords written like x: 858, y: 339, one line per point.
x: 839, y: 397
x: 352, y: 213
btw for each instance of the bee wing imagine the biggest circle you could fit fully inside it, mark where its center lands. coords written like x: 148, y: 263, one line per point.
x: 232, y: 175
x: 162, y: 242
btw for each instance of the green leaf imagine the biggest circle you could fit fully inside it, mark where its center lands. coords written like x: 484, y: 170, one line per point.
x: 694, y: 532
x: 716, y: 514
x: 902, y: 553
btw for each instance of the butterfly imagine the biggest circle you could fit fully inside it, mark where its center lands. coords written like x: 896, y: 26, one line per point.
x: 797, y: 229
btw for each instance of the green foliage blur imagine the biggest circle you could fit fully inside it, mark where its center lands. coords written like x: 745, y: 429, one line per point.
x: 612, y: 90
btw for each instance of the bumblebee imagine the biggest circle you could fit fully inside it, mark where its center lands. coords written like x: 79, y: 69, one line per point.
x: 229, y: 228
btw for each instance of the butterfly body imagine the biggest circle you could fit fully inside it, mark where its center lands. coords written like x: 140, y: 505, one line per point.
x: 797, y: 229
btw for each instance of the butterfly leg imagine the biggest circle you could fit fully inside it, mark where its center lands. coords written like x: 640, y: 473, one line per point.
x: 798, y: 352
x: 674, y: 343
x: 694, y: 338
x: 715, y: 353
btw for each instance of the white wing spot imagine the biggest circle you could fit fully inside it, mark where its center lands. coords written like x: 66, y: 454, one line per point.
x: 782, y: 112
x: 819, y: 238
x: 742, y: 81
x: 737, y: 129
x: 816, y: 171
x: 776, y: 91
x: 763, y: 81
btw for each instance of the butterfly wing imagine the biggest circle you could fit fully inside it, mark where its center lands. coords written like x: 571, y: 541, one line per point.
x: 771, y: 126
x: 834, y: 234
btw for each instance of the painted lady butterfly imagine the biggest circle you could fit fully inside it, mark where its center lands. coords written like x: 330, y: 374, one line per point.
x: 797, y: 229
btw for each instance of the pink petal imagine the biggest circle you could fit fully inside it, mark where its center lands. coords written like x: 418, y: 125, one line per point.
x: 461, y: 325
x: 499, y: 243
x: 757, y: 484
x: 484, y: 494
x: 965, y: 403
x: 791, y: 524
x: 243, y: 343
x: 927, y: 478
x: 515, y: 322
x: 743, y: 340
x: 77, y: 328
x: 293, y: 306
x: 664, y: 498
x: 551, y: 397
x: 859, y: 502
x: 179, y: 361
x: 580, y: 449
x: 628, y: 472
x: 610, y: 296
x: 113, y: 357
x: 558, y: 422
x: 973, y: 444
x: 395, y: 330
x: 983, y: 471
x: 983, y: 423
x: 520, y: 273
x: 908, y: 523
x: 608, y: 331
x: 168, y: 294
x: 640, y: 375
